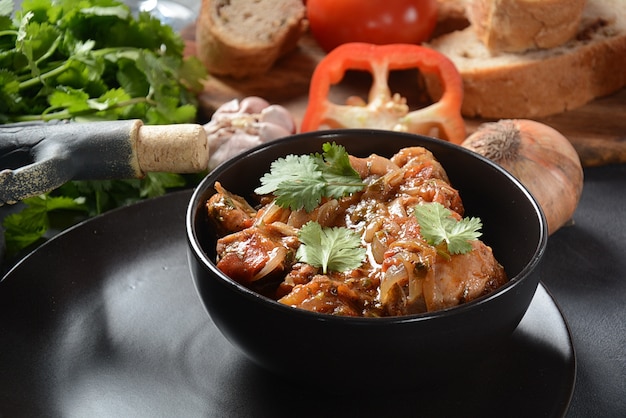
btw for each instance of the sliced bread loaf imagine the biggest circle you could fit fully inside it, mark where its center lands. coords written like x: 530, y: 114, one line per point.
x: 541, y: 82
x: 519, y: 25
x: 242, y: 38
x: 451, y: 16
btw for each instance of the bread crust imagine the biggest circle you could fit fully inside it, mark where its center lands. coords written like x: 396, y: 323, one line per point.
x: 540, y: 83
x: 236, y: 47
x: 519, y: 25
x: 451, y: 16
x: 451, y: 9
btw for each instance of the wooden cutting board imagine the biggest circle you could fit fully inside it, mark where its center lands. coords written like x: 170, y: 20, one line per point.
x: 597, y: 130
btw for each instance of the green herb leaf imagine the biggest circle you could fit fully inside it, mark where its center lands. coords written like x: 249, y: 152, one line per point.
x: 302, y: 181
x: 437, y: 225
x: 337, y: 249
x: 92, y: 47
x: 156, y: 184
x: 29, y: 225
x: 92, y: 60
x: 6, y: 7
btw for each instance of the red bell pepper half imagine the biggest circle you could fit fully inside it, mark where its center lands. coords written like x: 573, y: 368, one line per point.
x: 384, y: 110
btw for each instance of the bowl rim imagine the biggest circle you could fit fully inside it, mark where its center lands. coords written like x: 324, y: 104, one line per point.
x: 208, y: 181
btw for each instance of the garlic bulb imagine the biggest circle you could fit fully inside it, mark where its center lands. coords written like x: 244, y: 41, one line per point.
x: 239, y: 125
x: 540, y: 157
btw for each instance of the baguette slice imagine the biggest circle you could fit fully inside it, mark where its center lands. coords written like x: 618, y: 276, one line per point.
x: 540, y: 83
x: 242, y: 38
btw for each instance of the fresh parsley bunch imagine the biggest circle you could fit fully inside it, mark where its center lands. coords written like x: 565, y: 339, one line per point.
x: 91, y: 60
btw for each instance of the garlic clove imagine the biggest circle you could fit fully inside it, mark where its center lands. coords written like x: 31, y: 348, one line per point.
x: 280, y: 116
x: 239, y: 125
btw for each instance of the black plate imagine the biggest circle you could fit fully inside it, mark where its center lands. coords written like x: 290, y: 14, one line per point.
x: 104, y: 321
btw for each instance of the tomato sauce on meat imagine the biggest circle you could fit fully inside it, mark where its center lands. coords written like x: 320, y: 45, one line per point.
x: 402, y: 273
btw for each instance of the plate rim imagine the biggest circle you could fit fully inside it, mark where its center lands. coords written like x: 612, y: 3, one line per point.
x: 184, y: 195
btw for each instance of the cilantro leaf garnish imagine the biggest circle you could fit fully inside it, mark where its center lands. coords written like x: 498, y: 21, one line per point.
x: 292, y: 168
x: 437, y: 225
x: 302, y: 181
x: 338, y: 249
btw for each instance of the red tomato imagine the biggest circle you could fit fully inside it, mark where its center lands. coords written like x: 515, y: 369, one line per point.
x: 335, y: 22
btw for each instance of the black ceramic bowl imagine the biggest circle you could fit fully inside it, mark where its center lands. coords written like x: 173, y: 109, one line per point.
x: 321, y: 348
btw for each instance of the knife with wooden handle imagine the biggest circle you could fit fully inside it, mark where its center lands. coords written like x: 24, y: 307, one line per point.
x: 38, y: 157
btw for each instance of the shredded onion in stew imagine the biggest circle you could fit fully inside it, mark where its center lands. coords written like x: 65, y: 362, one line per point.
x: 402, y: 274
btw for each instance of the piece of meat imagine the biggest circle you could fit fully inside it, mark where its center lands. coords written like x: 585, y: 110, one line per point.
x: 325, y: 295
x: 411, y: 157
x: 229, y: 212
x: 418, y: 279
x: 300, y: 274
x: 374, y: 165
x: 462, y: 278
x: 254, y: 254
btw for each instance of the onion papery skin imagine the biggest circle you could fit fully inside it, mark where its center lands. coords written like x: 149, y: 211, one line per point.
x: 541, y: 158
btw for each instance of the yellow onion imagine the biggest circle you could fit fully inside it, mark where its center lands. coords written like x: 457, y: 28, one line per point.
x: 540, y: 157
